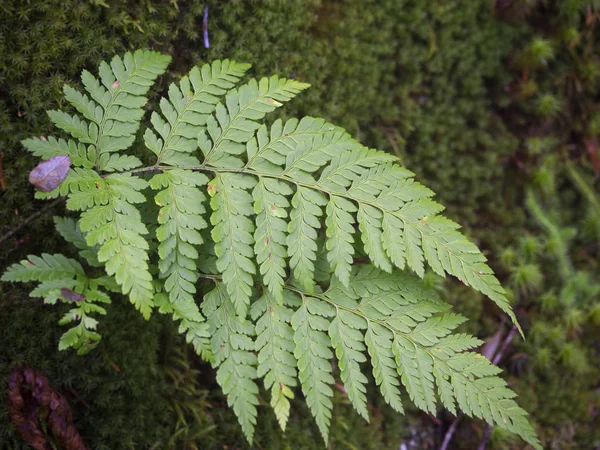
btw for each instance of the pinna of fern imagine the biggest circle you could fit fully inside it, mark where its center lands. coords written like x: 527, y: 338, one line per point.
x: 272, y: 219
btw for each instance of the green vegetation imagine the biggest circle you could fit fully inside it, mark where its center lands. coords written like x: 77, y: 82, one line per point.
x: 485, y: 101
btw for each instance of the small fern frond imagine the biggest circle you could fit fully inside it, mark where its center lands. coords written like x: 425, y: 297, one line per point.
x: 347, y: 340
x: 69, y: 229
x: 233, y: 235
x: 275, y: 346
x: 180, y: 221
x: 302, y: 238
x: 115, y: 225
x: 187, y: 108
x: 417, y: 333
x: 119, y: 97
x: 270, y: 236
x: 379, y: 343
x: 236, y: 122
x: 339, y: 231
x: 64, y: 279
x: 192, y: 325
x: 233, y: 347
x: 313, y: 353
x: 267, y: 152
x: 43, y: 268
x: 82, y: 337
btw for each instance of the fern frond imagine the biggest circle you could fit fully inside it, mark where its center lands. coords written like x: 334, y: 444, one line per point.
x: 81, y: 130
x: 116, y: 226
x: 340, y: 227
x: 119, y: 96
x: 187, y: 108
x: 43, y: 268
x: 379, y: 343
x: 274, y: 344
x: 47, y: 148
x: 192, y: 325
x: 235, y: 122
x: 233, y: 235
x: 270, y: 203
x: 347, y: 340
x: 302, y: 237
x: 425, y: 353
x: 83, y: 337
x: 233, y: 348
x: 293, y: 200
x: 180, y: 218
x: 267, y: 152
x: 313, y: 352
x: 113, y: 113
x: 64, y: 279
x: 69, y: 229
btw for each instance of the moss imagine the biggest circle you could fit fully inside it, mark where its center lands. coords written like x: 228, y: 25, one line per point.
x: 479, y: 101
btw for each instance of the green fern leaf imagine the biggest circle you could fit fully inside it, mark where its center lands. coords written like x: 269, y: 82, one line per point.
x: 379, y: 344
x: 117, y: 228
x: 340, y: 228
x: 187, y: 108
x: 313, y: 352
x: 268, y: 151
x: 82, y: 103
x: 244, y: 106
x: 113, y: 162
x: 302, y: 228
x: 347, y: 340
x: 69, y: 229
x: 425, y: 351
x: 81, y: 130
x: 45, y: 268
x: 415, y: 367
x: 180, y: 219
x: 192, y: 325
x: 117, y: 99
x: 270, y: 236
x: 233, y: 235
x: 233, y: 351
x: 275, y: 346
x: 370, y: 226
x: 348, y: 167
x: 314, y: 152
x: 46, y: 148
x: 269, y: 190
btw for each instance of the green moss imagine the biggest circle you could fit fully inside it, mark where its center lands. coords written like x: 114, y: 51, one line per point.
x: 480, y: 106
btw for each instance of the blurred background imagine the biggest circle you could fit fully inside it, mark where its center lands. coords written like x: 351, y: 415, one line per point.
x: 494, y: 104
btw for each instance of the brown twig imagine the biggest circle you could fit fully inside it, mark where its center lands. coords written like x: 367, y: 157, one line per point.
x: 486, y: 437
x: 392, y: 139
x: 450, y: 432
x: 31, y: 218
